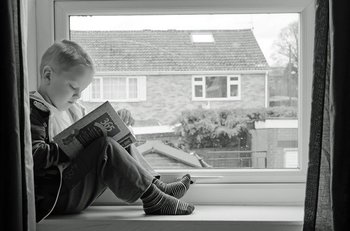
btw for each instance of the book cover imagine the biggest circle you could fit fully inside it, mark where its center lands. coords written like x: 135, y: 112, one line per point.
x: 103, y: 121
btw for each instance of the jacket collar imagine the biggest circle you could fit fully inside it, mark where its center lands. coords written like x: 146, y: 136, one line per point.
x: 77, y: 111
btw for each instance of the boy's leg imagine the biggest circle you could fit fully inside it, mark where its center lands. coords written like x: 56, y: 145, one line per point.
x: 132, y: 149
x: 103, y: 163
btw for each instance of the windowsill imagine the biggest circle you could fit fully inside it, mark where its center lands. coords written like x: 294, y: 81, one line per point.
x: 205, y: 217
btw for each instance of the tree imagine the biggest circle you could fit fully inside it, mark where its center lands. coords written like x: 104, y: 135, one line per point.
x: 287, y: 46
x: 286, y: 55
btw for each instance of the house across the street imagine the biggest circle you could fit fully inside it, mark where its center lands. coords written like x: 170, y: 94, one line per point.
x: 158, y: 73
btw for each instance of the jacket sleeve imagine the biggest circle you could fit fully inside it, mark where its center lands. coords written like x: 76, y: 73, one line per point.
x: 45, y: 153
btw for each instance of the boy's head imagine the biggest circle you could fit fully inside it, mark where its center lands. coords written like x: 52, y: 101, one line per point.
x: 65, y: 70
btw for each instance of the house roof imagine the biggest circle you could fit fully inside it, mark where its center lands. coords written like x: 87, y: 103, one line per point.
x: 172, y: 50
x: 157, y: 146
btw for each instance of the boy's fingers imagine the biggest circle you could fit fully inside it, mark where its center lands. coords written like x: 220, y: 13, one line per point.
x: 125, y: 115
x: 126, y: 120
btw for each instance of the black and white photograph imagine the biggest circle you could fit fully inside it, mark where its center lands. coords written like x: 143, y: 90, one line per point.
x: 175, y: 115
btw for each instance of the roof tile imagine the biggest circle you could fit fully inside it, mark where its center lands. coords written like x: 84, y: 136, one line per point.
x: 171, y: 50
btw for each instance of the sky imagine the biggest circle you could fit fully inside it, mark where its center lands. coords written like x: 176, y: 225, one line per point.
x: 266, y: 27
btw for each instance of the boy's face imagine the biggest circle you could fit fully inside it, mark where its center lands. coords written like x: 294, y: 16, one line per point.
x: 63, y: 88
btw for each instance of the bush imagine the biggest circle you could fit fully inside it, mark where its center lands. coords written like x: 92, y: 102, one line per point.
x: 212, y: 128
x: 218, y: 128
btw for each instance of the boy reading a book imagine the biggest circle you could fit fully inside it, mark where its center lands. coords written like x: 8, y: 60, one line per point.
x: 64, y: 185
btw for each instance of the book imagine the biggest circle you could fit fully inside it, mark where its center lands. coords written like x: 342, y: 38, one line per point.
x: 103, y: 121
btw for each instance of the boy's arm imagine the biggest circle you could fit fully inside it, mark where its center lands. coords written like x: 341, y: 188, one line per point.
x: 45, y: 154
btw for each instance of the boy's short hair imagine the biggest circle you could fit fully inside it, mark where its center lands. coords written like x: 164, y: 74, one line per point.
x: 64, y: 55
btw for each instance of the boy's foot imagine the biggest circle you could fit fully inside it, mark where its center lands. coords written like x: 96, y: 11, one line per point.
x: 155, y: 202
x: 175, y: 189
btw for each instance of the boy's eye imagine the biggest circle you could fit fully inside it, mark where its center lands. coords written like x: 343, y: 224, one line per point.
x: 71, y: 86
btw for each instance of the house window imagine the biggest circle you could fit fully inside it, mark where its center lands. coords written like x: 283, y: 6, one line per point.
x: 96, y: 88
x: 216, y: 87
x: 116, y: 89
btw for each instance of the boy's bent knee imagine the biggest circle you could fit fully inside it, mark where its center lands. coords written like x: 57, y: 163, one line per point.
x: 101, y: 148
x: 101, y: 142
x: 110, y: 141
x: 96, y: 149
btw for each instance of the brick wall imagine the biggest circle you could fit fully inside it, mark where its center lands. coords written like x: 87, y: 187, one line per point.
x: 168, y: 95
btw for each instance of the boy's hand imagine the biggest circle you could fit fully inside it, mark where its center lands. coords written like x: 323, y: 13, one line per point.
x: 125, y: 115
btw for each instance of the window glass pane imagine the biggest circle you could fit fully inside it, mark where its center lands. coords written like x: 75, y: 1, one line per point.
x: 216, y: 87
x: 95, y: 88
x: 114, y: 88
x: 213, y: 130
x: 202, y: 38
x: 132, y: 88
x: 198, y: 91
x: 233, y: 90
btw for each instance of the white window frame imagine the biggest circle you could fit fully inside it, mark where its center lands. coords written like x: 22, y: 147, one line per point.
x: 141, y: 88
x: 241, y: 186
x: 229, y: 83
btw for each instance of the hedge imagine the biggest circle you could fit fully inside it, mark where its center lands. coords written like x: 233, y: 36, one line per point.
x: 218, y: 128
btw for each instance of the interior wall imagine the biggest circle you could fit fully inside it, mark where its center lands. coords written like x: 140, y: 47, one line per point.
x: 31, y: 46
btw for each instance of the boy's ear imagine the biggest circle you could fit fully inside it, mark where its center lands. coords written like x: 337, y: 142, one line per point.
x: 46, y: 74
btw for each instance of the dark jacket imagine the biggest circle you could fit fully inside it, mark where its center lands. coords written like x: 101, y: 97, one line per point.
x: 48, y: 157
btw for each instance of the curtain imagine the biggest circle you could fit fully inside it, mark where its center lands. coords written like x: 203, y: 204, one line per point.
x: 327, y: 202
x: 17, y: 211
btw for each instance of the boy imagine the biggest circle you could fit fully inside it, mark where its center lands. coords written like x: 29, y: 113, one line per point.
x: 64, y: 185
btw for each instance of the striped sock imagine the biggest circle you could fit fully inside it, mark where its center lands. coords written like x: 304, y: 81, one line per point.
x: 175, y: 189
x: 155, y: 202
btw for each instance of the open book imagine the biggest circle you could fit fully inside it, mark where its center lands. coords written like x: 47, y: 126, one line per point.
x: 103, y: 121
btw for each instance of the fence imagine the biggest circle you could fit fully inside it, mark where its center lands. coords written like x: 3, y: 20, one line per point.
x: 235, y: 159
